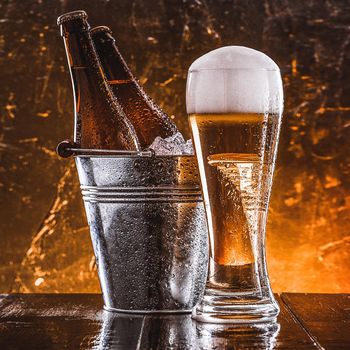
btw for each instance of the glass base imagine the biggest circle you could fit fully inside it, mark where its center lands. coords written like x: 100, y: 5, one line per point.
x: 221, y: 307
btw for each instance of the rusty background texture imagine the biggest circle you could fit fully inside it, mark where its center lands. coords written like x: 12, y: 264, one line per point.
x: 45, y: 244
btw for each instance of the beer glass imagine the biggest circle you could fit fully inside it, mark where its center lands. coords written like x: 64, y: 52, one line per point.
x: 235, y: 116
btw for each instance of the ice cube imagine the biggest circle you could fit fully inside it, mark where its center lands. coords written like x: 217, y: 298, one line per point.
x: 188, y: 148
x: 174, y: 145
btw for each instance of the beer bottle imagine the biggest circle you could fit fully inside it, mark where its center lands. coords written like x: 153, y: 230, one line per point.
x: 147, y: 118
x: 100, y: 122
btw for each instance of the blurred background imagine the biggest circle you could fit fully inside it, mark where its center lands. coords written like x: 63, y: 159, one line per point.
x: 45, y: 243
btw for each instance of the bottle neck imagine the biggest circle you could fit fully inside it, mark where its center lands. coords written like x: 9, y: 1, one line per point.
x: 115, y: 68
x: 75, y: 36
x: 77, y: 42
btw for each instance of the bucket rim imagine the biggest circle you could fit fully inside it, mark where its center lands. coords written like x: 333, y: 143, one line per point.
x: 134, y: 156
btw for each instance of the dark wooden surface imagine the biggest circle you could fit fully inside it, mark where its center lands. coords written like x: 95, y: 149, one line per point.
x: 77, y: 321
x: 326, y: 317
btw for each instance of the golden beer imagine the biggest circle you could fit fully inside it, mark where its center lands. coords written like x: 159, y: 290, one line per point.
x: 234, y: 100
x: 236, y: 155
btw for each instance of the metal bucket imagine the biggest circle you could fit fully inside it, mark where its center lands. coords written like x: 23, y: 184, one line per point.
x: 148, y: 230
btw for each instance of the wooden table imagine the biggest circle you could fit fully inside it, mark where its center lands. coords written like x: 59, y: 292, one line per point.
x: 77, y: 321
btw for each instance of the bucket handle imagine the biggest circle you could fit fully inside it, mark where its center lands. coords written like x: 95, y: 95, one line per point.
x: 66, y: 149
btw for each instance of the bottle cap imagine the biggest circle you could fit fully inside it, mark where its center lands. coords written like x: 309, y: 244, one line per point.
x: 100, y: 29
x: 80, y: 14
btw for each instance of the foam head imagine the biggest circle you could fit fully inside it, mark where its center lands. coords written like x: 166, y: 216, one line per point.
x: 234, y: 79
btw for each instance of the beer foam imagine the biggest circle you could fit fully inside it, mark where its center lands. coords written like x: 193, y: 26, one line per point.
x: 234, y: 79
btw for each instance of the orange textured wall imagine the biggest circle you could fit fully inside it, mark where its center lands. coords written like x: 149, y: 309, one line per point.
x: 45, y: 241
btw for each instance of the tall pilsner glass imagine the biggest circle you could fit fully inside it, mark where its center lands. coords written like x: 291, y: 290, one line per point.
x: 235, y: 102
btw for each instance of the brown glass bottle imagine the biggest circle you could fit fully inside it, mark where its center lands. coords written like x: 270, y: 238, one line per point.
x: 100, y: 122
x: 147, y: 118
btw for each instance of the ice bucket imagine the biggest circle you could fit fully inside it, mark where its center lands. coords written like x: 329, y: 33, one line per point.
x: 148, y: 230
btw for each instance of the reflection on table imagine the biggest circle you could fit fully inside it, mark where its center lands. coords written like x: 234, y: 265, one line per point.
x: 129, y: 331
